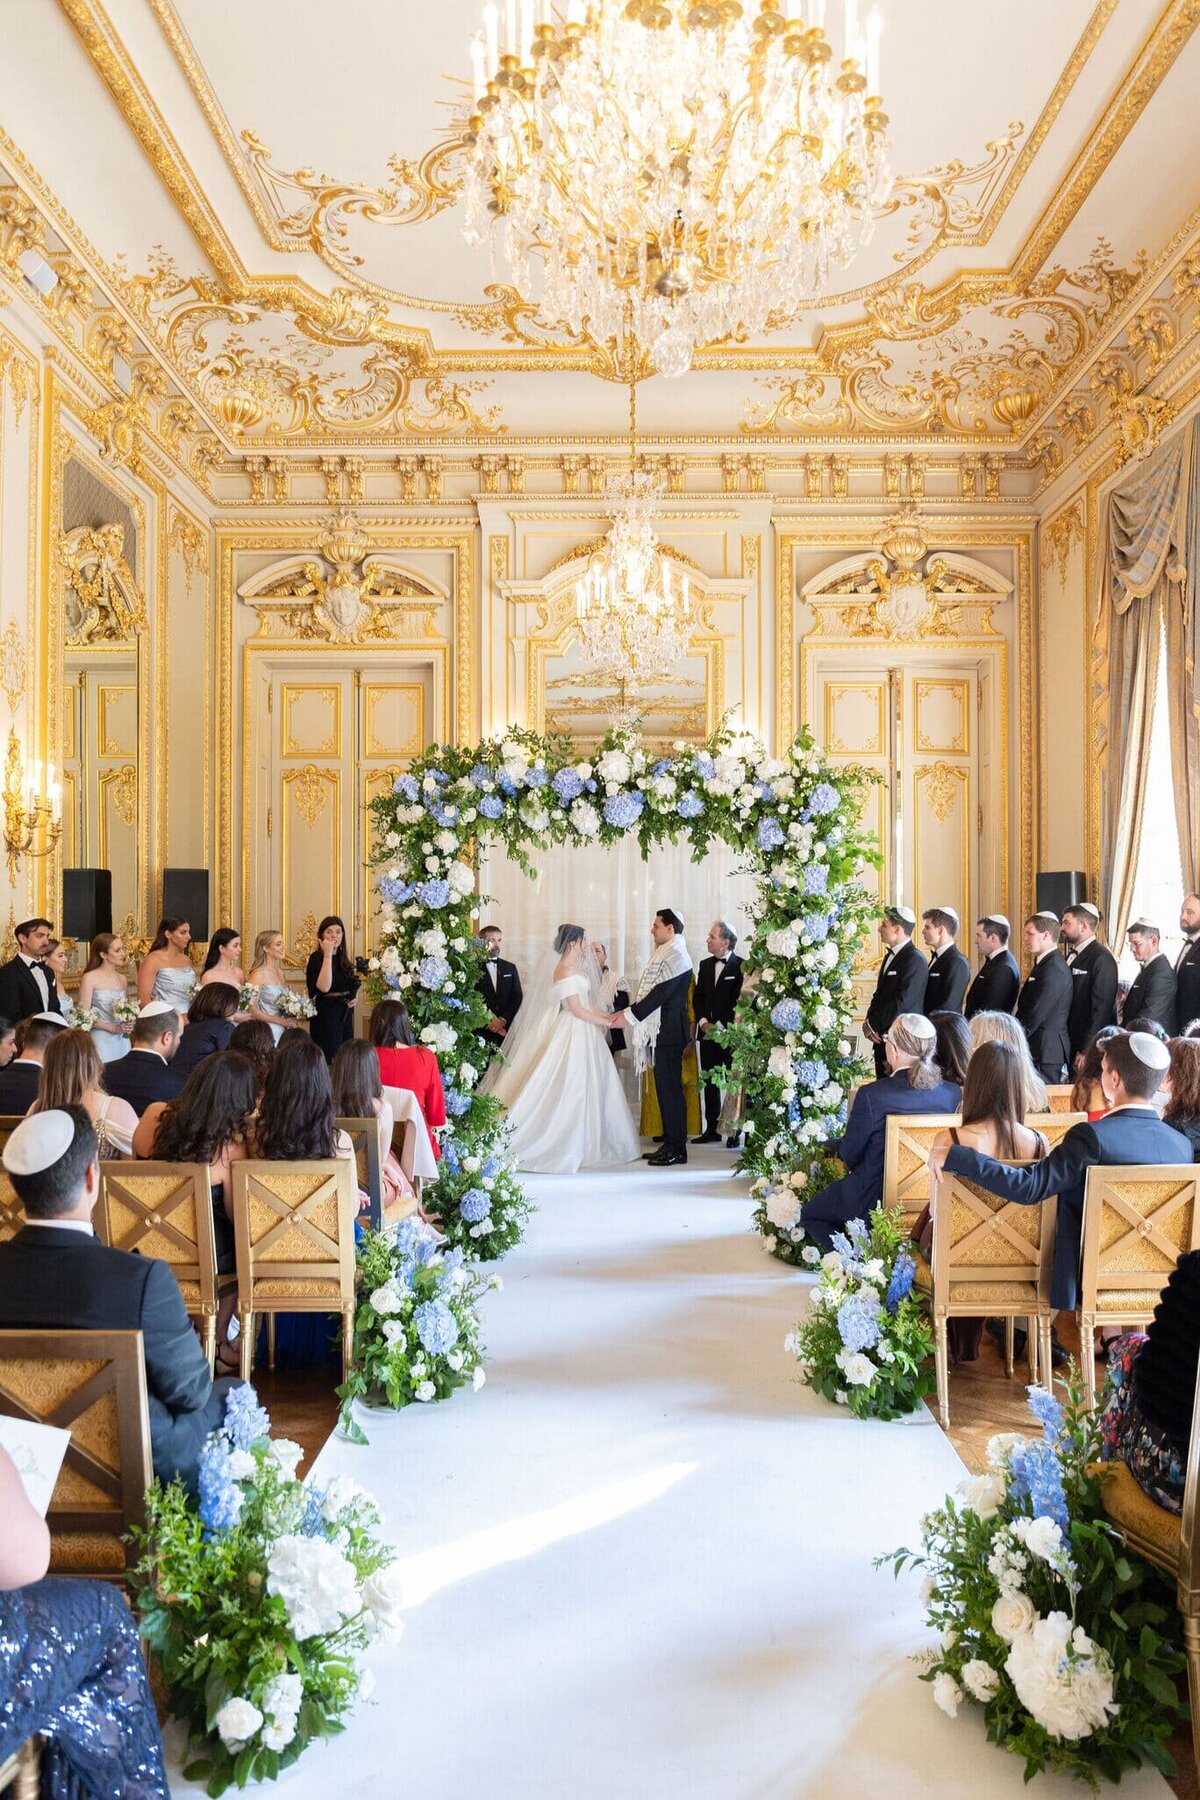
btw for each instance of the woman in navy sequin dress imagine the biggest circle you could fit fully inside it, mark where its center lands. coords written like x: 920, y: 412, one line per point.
x: 71, y: 1670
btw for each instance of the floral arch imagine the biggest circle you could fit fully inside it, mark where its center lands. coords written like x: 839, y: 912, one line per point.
x: 795, y: 817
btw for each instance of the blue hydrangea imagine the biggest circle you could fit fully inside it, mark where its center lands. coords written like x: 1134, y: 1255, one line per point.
x: 433, y: 972
x: 506, y: 784
x: 816, y: 879
x: 404, y: 1235
x: 568, y: 784
x: 444, y: 814
x: 823, y: 799
x: 623, y: 810
x: 770, y: 834
x: 816, y: 925
x: 1047, y: 1410
x: 704, y: 765
x: 454, y: 1004
x: 450, y: 1160
x: 852, y: 1243
x: 220, y: 1496
x: 812, y: 1074
x: 536, y: 777
x: 491, y: 806
x: 245, y: 1420
x: 858, y: 1321
x: 1036, y: 1476
x: 395, y: 892
x: 457, y: 1103
x: 786, y: 1015
x: 764, y: 790
x: 436, y: 1326
x: 661, y: 767
x: 689, y: 806
x: 900, y: 1285
x: 491, y: 1168
x: 475, y: 1205
x: 479, y: 775
x: 407, y: 786
x: 312, y: 1524
x: 434, y: 893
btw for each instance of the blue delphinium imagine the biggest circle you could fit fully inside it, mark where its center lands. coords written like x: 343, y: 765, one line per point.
x: 450, y: 1159
x: 858, y: 1320
x: 1047, y: 1410
x: 434, y: 893
x: 812, y: 1074
x: 407, y: 786
x: 816, y: 879
x: 456, y: 1103
x: 823, y: 799
x: 623, y: 810
x: 770, y: 834
x: 475, y: 1205
x: 433, y: 972
x: 689, y: 806
x: 436, y: 1326
x: 220, y: 1495
x: 404, y: 1235
x: 312, y: 1524
x: 900, y: 1285
x: 245, y: 1420
x: 853, y: 1243
x: 1036, y: 1475
x: 491, y: 805
x: 786, y: 1015
x: 568, y: 784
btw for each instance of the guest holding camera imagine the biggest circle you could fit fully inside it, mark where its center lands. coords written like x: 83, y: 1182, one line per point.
x: 333, y: 986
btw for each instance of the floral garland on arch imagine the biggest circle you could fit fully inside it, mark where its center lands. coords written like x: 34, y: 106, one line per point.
x: 797, y: 819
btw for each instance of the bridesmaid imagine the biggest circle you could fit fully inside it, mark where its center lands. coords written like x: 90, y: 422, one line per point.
x: 266, y: 974
x: 333, y: 986
x: 55, y: 960
x: 103, y: 983
x: 224, y: 959
x: 166, y: 972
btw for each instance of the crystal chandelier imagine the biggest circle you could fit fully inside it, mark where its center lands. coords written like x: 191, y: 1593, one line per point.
x: 709, y: 164
x: 633, y: 622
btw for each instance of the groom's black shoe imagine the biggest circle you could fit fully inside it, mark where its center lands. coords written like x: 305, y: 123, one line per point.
x: 708, y: 1137
x: 666, y: 1159
x: 733, y: 1143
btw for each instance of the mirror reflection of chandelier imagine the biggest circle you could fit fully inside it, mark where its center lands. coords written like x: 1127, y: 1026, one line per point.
x: 633, y: 618
x: 707, y: 158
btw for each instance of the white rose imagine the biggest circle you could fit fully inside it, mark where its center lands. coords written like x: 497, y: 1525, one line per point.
x: 237, y: 1721
x: 1011, y: 1615
x: 614, y: 766
x: 981, y: 1681
x: 282, y: 1696
x: 393, y: 1333
x: 387, y: 1299
x: 841, y: 1397
x: 478, y: 1378
x: 810, y: 1254
x: 510, y: 751
x: 983, y: 1494
x: 947, y: 1693
x: 383, y: 1596
x: 425, y: 1391
x: 288, y: 1454
x: 1041, y: 1536
x: 279, y: 1733
x: 779, y: 1063
x: 831, y: 1262
x: 1001, y: 1446
x: 446, y: 841
x: 468, y: 1074
x: 858, y: 1369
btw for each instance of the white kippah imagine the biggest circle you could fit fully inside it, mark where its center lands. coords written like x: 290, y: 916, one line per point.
x: 999, y: 919
x: 38, y: 1142
x: 1145, y: 1046
x: 154, y: 1009
x: 915, y: 1024
x: 50, y: 1017
x: 903, y: 913
x: 949, y: 912
x: 1144, y: 925
x: 1087, y: 907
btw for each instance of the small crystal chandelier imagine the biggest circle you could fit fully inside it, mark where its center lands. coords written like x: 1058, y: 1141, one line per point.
x: 632, y: 621
x: 710, y: 165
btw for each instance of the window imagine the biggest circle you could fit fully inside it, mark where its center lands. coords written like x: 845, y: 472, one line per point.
x: 1158, y: 889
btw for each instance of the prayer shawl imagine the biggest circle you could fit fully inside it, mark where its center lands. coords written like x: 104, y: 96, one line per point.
x: 669, y: 960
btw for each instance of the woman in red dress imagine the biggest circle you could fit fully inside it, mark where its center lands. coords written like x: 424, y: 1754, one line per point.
x: 403, y: 1063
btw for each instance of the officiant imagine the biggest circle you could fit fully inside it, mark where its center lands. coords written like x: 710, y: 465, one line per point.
x: 718, y: 985
x: 500, y: 986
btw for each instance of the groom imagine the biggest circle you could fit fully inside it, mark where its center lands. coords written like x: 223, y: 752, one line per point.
x: 659, y: 1018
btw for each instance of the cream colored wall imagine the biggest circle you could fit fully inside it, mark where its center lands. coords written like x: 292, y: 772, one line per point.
x: 20, y: 418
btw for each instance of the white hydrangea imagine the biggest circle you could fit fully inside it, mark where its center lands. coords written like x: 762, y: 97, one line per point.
x: 585, y: 818
x: 242, y: 1465
x: 831, y: 1262
x: 468, y: 1074
x: 782, y: 1209
x: 784, y: 942
x: 1042, y: 1537
x: 439, y: 1037
x: 1062, y: 1678
x: 731, y: 771
x: 510, y: 751
x: 461, y: 879
x: 615, y: 767
x: 383, y: 1596
x: 1001, y: 1446
x: 432, y: 942
x: 318, y: 1586
x: 282, y: 1696
x: 339, y: 1494
x: 389, y: 961
x: 446, y: 841
x: 779, y: 1063
x: 236, y: 1722
x: 824, y: 1018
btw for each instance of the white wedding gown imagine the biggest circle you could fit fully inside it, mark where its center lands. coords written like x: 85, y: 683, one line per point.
x: 565, y: 1102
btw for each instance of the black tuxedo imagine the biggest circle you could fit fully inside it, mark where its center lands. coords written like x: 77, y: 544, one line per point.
x: 900, y: 988
x: 1135, y: 1134
x: 1153, y: 995
x: 947, y: 981
x: 20, y: 995
x: 717, y: 988
x: 995, y: 987
x: 142, y: 1077
x: 1043, y: 1008
x: 1187, y: 986
x: 1093, y: 995
x: 670, y: 997
x: 57, y: 1280
x: 19, y: 1087
x: 503, y: 999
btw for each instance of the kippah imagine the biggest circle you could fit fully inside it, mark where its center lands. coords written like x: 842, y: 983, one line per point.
x: 949, y: 912
x: 916, y: 1025
x: 900, y: 915
x: 154, y: 1009
x: 1148, y: 1049
x: 996, y: 919
x: 38, y: 1142
x: 1144, y: 925
x: 1087, y: 907
x: 51, y: 1018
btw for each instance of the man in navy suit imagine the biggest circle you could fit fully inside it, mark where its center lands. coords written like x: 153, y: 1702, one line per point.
x: 949, y: 970
x: 1044, y: 1002
x: 145, y: 1073
x: 1093, y: 978
x: 21, y: 1078
x: 900, y: 985
x: 718, y: 985
x: 996, y: 986
x: 1153, y: 994
x: 1131, y: 1132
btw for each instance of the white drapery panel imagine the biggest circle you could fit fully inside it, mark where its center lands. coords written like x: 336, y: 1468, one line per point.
x: 614, y: 895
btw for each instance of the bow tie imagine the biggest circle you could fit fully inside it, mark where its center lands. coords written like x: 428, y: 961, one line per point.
x: 722, y: 960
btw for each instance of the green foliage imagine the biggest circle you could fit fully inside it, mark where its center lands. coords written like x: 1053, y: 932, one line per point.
x: 777, y: 1207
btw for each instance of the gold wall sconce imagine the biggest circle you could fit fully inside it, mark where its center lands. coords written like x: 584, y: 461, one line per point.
x: 32, y: 816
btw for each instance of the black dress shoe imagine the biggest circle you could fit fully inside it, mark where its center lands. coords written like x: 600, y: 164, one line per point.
x: 667, y: 1159
x: 650, y: 1155
x: 708, y: 1137
x: 733, y: 1143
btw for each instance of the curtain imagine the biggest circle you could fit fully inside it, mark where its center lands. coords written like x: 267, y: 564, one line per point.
x: 1183, y: 684
x: 1142, y: 564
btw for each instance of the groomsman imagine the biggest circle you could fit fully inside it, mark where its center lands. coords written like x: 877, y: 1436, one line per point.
x: 500, y: 986
x: 998, y: 982
x: 718, y: 984
x: 949, y: 971
x: 1093, y: 978
x: 900, y: 986
x: 27, y: 986
x: 1187, y: 968
x: 1044, y: 1002
x: 1153, y: 994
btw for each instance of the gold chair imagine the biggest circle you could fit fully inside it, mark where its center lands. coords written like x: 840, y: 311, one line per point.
x: 20, y: 1772
x: 12, y: 1213
x: 1171, y: 1542
x: 294, y: 1226
x: 93, y: 1383
x: 1137, y: 1223
x: 364, y: 1135
x: 8, y: 1124
x: 907, y: 1143
x: 1059, y: 1098
x: 991, y: 1259
x: 165, y: 1210
x: 1054, y: 1125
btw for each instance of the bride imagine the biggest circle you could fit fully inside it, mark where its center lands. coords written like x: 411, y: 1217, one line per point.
x: 566, y: 1106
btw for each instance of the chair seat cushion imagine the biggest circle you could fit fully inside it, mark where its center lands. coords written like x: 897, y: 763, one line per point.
x: 307, y: 1287
x: 998, y: 1293
x: 1130, y: 1507
x: 1127, y: 1306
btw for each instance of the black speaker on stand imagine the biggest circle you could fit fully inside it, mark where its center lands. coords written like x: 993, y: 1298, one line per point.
x: 87, y: 903
x: 1059, y: 888
x: 185, y: 896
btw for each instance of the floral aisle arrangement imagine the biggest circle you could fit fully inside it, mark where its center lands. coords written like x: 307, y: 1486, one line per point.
x: 866, y: 1341
x: 777, y: 1207
x: 797, y: 819
x: 1063, y: 1637
x: 416, y: 1328
x: 261, y: 1601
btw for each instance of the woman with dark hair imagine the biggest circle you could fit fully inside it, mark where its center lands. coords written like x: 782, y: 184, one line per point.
x: 209, y: 1123
x: 358, y: 1094
x: 73, y: 1075
x: 953, y: 1044
x: 255, y: 1040
x: 1087, y: 1095
x: 333, y: 988
x: 1182, y: 1085
x: 8, y: 1042
x: 166, y: 972
x: 209, y: 1026
x: 403, y: 1063
x: 224, y: 959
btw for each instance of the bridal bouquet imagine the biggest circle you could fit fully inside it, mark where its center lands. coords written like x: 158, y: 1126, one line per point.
x: 1045, y: 1619
x: 249, y: 996
x: 260, y: 1601
x: 291, y: 1005
x: 416, y: 1330
x: 125, y: 1009
x: 777, y: 1206
x: 866, y: 1341
x: 80, y: 1018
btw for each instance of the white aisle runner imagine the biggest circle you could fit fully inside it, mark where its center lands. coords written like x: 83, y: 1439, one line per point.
x: 640, y: 1557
